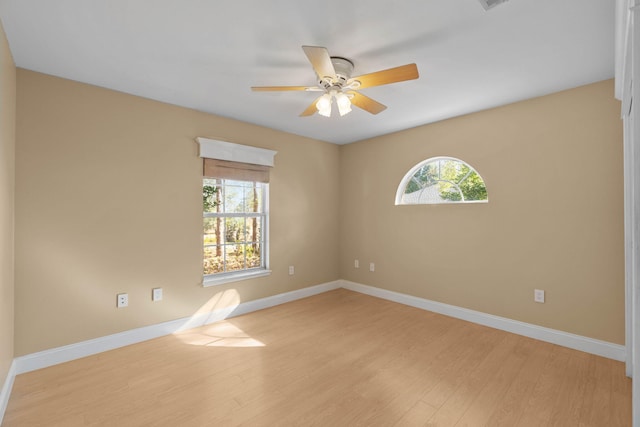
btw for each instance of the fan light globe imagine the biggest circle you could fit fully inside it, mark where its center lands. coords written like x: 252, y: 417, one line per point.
x: 324, y: 105
x: 344, y: 103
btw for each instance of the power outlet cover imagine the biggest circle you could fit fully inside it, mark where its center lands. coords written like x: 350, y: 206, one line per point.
x: 122, y: 300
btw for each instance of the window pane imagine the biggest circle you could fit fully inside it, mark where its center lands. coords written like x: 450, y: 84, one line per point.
x: 213, y: 231
x: 211, y: 195
x: 427, y: 194
x: 232, y: 200
x: 242, y: 230
x: 235, y: 231
x: 234, y: 197
x: 234, y: 256
x: 209, y: 231
x: 253, y: 255
x: 213, y: 260
x: 428, y: 174
x: 254, y: 198
x: 449, y: 191
x: 473, y: 187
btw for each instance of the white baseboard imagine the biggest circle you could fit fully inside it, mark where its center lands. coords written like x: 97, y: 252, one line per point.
x: 565, y: 339
x: 70, y: 352
x: 6, y: 389
x: 54, y: 356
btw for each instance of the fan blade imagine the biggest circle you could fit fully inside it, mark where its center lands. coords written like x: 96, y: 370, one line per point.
x: 281, y: 88
x: 366, y: 103
x: 321, y: 61
x: 392, y: 75
x: 311, y: 109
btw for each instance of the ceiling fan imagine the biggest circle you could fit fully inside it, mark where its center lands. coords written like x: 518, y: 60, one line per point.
x: 334, y: 79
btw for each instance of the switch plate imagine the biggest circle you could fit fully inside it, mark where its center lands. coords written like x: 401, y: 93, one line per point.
x: 372, y: 267
x: 356, y: 264
x: 122, y: 300
x: 156, y: 294
x: 538, y: 295
x: 292, y: 270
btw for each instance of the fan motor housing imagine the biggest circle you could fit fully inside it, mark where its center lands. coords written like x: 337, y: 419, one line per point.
x: 343, y: 68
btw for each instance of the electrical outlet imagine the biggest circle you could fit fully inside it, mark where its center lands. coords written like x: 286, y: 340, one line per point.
x: 156, y: 294
x: 372, y: 267
x: 356, y: 264
x: 538, y: 295
x: 122, y: 300
x: 292, y: 270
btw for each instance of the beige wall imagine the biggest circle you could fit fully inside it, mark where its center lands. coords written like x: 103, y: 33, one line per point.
x: 7, y: 163
x: 554, y: 221
x: 108, y: 200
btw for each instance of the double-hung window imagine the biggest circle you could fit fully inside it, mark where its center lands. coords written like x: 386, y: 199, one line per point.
x: 235, y: 201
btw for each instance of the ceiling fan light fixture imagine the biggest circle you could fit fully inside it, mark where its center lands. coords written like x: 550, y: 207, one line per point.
x: 334, y: 79
x: 324, y: 105
x: 344, y: 103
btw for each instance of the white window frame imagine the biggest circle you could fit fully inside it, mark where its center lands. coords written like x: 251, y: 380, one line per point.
x: 263, y: 216
x: 223, y: 150
x: 409, y: 176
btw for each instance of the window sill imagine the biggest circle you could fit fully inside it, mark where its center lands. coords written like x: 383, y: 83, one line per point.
x: 234, y: 277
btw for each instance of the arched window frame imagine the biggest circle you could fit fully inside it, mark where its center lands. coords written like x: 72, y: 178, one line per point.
x: 409, y: 176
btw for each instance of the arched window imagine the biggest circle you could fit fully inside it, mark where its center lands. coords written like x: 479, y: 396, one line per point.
x: 441, y: 180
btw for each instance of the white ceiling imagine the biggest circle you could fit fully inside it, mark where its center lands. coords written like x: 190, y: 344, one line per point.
x: 207, y: 54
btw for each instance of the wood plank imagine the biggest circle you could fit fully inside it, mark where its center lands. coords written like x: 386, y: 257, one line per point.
x: 488, y: 385
x: 417, y: 415
x: 509, y: 410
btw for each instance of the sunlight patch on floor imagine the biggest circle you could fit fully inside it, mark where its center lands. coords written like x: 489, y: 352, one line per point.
x: 208, y: 327
x: 220, y: 334
x: 219, y: 307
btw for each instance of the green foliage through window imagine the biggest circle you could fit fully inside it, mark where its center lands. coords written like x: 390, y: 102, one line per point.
x: 441, y: 180
x: 208, y: 192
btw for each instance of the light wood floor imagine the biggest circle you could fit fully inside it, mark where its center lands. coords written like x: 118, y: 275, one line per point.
x: 336, y: 359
